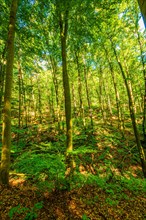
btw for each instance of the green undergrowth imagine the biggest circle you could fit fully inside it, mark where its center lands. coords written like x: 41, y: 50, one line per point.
x: 96, y: 155
x: 28, y: 213
x: 47, y: 171
x: 42, y: 168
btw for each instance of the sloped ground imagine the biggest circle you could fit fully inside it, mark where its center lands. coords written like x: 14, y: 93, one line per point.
x: 115, y: 158
x: 89, y: 201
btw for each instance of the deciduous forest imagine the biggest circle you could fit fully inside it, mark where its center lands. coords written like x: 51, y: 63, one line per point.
x: 72, y: 109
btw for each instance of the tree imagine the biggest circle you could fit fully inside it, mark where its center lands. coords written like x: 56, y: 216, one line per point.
x: 142, y: 5
x: 131, y: 109
x: 3, y: 45
x: 63, y: 23
x: 6, y: 133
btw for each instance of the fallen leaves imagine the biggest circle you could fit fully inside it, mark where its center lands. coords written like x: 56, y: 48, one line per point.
x: 71, y: 205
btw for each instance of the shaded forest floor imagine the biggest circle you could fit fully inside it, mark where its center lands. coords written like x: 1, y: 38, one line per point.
x: 107, y: 184
x: 89, y: 202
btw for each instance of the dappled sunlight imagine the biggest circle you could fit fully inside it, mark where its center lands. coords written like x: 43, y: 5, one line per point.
x: 59, y: 213
x: 17, y: 182
x: 74, y: 208
x: 115, y: 171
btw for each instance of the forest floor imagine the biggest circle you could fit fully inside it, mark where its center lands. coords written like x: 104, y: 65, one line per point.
x: 117, y: 190
x: 89, y: 202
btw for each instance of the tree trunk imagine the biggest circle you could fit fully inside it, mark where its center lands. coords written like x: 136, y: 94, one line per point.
x: 81, y: 107
x: 144, y: 76
x: 132, y: 113
x: 56, y: 86
x: 24, y: 103
x: 88, y: 96
x: 39, y: 101
x: 6, y: 133
x: 2, y: 77
x: 63, y: 20
x: 142, y: 5
x: 20, y: 99
x: 75, y: 113
x: 107, y: 101
x: 120, y: 126
x: 101, y: 98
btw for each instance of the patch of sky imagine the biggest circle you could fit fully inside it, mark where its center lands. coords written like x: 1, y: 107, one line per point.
x: 141, y: 24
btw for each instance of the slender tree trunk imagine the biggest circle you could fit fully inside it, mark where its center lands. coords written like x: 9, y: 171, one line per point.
x: 101, y: 99
x: 52, y: 104
x: 120, y: 126
x: 75, y: 113
x: 63, y: 20
x: 6, y: 134
x: 144, y: 76
x: 81, y: 106
x: 32, y: 106
x: 56, y: 85
x: 132, y: 112
x: 20, y: 93
x: 20, y: 98
x: 39, y: 101
x: 2, y: 78
x: 24, y: 103
x: 109, y: 108
x: 107, y: 102
x: 88, y: 96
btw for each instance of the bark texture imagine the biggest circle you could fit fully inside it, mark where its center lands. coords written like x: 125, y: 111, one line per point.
x: 6, y: 132
x: 63, y: 20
